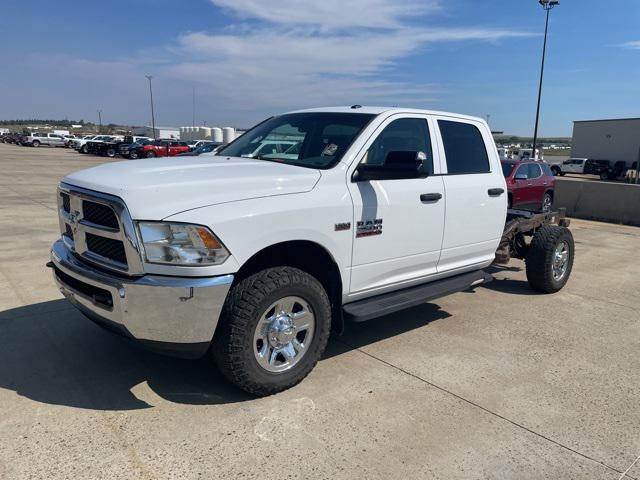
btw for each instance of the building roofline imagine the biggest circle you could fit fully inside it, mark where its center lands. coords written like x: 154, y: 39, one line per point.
x: 607, y: 120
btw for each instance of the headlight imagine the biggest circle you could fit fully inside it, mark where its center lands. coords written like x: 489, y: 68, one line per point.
x: 181, y: 244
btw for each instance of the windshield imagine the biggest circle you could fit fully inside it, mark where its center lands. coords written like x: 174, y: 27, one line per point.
x: 312, y: 140
x: 507, y: 168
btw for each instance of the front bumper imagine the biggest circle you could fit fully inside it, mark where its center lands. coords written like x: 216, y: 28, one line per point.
x: 173, y: 315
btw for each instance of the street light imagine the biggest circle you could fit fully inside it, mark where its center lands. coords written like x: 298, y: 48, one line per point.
x: 100, y: 121
x: 153, y: 118
x: 548, y: 6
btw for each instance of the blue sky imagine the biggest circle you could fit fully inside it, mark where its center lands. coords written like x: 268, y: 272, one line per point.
x: 248, y: 59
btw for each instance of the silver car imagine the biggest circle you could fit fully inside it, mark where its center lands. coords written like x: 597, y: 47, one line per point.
x: 52, y: 139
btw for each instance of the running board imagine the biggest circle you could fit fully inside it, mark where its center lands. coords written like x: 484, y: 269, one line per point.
x: 380, y: 305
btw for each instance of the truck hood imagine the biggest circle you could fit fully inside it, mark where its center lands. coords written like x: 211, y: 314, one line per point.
x: 156, y: 188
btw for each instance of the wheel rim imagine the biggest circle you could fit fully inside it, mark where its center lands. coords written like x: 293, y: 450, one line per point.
x: 560, y: 261
x: 283, y: 334
x: 546, y: 203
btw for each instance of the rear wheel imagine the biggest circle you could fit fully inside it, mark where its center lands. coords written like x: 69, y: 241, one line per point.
x: 547, y: 202
x: 150, y: 155
x: 133, y: 155
x: 111, y: 152
x: 274, y: 329
x: 35, y: 143
x: 550, y: 258
x: 84, y: 149
x: 555, y: 171
x: 604, y: 175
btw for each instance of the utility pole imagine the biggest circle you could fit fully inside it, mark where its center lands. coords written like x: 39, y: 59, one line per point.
x: 99, y: 121
x: 193, y: 123
x: 548, y: 6
x: 153, y: 118
x: 638, y: 168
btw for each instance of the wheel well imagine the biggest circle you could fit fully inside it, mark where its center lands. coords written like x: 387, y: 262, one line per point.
x: 309, y: 257
x: 550, y: 192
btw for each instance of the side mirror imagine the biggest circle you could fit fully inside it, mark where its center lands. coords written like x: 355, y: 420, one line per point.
x: 521, y: 176
x: 397, y: 166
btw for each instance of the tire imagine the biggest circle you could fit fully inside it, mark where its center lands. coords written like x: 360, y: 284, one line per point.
x: 111, y: 153
x: 543, y: 272
x: 35, y: 143
x: 604, y: 175
x: 547, y: 202
x: 84, y: 149
x: 562, y: 174
x: 555, y: 171
x: 237, y: 342
x: 133, y: 155
x: 150, y: 155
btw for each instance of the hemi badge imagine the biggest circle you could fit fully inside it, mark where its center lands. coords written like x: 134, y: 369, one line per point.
x: 342, y: 226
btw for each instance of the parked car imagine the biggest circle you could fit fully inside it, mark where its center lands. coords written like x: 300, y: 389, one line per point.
x: 164, y: 148
x: 208, y: 147
x: 252, y: 262
x: 88, y: 145
x: 111, y: 147
x: 584, y: 166
x: 76, y: 143
x: 134, y: 149
x: 630, y: 175
x: 530, y: 184
x: 35, y: 139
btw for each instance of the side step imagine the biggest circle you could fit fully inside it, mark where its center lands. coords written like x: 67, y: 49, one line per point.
x: 380, y: 305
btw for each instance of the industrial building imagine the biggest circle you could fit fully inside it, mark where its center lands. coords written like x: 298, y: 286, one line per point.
x: 161, y: 132
x: 614, y: 140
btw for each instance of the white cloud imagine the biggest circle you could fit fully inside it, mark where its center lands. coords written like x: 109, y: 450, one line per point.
x: 635, y: 45
x: 331, y: 14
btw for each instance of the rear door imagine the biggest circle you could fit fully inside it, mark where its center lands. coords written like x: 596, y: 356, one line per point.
x: 538, y: 184
x: 476, y: 194
x: 521, y: 195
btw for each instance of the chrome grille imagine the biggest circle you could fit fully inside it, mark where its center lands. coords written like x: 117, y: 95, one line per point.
x: 98, y: 228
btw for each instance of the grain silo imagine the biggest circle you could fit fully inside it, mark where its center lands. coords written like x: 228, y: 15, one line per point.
x: 228, y: 134
x: 216, y: 134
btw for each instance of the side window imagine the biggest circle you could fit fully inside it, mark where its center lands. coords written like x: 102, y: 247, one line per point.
x: 464, y: 148
x: 534, y: 171
x: 402, y: 135
x: 523, y: 170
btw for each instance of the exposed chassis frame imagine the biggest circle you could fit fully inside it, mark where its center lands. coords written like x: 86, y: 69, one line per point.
x: 521, y: 224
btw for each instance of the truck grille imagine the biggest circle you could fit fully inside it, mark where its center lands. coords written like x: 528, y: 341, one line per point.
x: 99, y: 214
x: 97, y: 228
x: 106, y: 247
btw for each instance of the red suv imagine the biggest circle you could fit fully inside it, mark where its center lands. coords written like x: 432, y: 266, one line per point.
x: 530, y: 184
x: 164, y: 148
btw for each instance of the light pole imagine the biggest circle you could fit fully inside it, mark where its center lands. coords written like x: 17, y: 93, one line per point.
x: 99, y: 121
x: 548, y: 6
x: 153, y: 117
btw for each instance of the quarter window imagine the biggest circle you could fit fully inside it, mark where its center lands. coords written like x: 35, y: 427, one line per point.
x: 402, y: 135
x: 464, y: 148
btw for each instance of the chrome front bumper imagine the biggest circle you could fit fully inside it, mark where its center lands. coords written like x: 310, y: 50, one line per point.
x: 174, y: 315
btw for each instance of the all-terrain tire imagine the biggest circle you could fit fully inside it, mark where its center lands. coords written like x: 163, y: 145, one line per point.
x: 233, y: 345
x: 541, y: 255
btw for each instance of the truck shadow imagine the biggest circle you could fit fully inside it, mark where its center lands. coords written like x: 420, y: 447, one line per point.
x: 509, y: 285
x: 50, y: 353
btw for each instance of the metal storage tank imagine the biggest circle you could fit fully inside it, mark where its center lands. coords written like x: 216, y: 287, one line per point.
x: 183, y: 133
x: 216, y: 134
x: 228, y: 134
x: 207, y: 133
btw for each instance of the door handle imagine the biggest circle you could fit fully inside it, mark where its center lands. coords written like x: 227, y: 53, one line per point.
x: 430, y: 197
x: 495, y: 192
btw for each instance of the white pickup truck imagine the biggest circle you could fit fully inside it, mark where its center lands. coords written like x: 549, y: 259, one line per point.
x: 254, y: 259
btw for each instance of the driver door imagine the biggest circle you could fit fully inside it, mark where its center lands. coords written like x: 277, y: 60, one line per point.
x: 398, y: 224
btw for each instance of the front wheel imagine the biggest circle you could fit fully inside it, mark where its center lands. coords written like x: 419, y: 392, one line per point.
x: 133, y: 155
x: 604, y: 175
x: 274, y: 329
x: 111, y: 152
x: 150, y: 155
x: 550, y: 258
x: 35, y: 143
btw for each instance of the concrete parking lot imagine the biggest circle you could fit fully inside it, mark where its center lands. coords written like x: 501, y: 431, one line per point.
x: 498, y: 383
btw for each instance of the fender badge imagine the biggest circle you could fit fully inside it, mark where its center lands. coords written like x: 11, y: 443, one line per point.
x: 342, y: 226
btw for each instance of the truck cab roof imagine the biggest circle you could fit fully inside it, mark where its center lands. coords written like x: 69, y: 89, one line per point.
x: 373, y: 110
